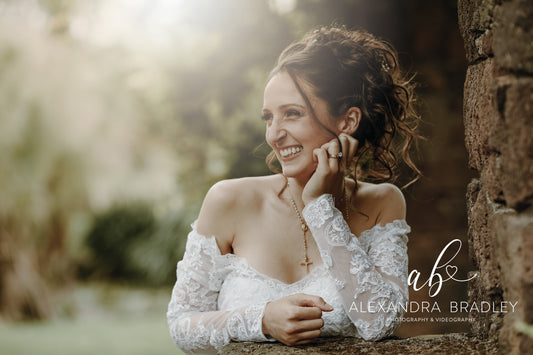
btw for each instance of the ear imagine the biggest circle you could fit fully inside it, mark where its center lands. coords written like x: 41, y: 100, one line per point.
x: 350, y: 121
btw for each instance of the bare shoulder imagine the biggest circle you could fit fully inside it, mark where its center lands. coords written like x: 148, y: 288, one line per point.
x: 387, y: 200
x: 227, y: 202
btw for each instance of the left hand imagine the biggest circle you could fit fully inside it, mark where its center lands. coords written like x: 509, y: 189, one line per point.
x: 329, y: 174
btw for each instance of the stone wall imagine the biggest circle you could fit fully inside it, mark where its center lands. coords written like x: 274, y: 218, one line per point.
x: 498, y: 117
x: 457, y: 344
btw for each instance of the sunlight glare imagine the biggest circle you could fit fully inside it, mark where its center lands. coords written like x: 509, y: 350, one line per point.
x: 282, y: 6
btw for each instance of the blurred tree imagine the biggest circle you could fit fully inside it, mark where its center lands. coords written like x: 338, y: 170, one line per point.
x: 127, y: 243
x: 70, y: 125
x: 114, y: 234
x: 219, y: 96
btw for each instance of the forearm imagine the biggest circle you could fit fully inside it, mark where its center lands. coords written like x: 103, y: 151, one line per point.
x: 372, y: 281
x: 195, y: 323
x: 208, y: 332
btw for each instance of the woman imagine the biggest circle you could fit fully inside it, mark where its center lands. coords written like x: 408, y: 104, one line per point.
x: 310, y: 251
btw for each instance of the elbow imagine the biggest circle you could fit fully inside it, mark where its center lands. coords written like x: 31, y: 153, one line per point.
x: 384, y: 325
x: 177, y: 332
x: 190, y: 340
x: 380, y: 333
x: 372, y: 336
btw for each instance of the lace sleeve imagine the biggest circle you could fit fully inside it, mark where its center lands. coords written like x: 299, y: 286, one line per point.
x: 196, y: 325
x: 370, y: 271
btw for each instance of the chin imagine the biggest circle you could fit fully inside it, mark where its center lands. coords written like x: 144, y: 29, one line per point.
x: 297, y: 172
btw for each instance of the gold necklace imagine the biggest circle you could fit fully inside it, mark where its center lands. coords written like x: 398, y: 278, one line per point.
x: 304, y: 227
x: 346, y: 204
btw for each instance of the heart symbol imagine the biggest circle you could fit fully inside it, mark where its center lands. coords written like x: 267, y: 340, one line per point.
x: 451, y: 268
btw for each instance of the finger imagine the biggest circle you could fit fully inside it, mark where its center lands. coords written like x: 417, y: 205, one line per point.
x: 322, y: 158
x: 304, y: 342
x: 333, y: 155
x: 350, y: 146
x: 314, y: 301
x: 354, y: 145
x: 309, y: 324
x: 308, y: 337
x: 308, y: 312
x: 345, y: 144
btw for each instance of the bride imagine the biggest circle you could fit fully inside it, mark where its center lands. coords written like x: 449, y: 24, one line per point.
x: 310, y: 251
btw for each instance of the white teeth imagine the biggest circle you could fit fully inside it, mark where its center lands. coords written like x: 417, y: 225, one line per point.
x: 288, y: 151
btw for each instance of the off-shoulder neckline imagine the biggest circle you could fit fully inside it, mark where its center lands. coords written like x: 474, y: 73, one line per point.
x: 230, y: 256
x: 303, y: 280
x: 398, y: 223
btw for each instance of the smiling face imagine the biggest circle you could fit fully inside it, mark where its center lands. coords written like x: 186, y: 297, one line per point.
x: 291, y: 130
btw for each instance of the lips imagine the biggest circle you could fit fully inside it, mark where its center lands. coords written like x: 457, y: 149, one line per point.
x: 290, y: 151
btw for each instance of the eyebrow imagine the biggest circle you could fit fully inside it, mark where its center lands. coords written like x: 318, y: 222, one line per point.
x: 285, y: 106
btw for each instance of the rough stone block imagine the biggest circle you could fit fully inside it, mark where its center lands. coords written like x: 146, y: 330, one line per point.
x: 480, y: 111
x: 513, y: 41
x: 483, y: 45
x: 430, y: 344
x: 475, y: 22
x: 514, y: 234
x: 508, y: 247
x: 481, y: 241
x: 479, y: 324
x: 472, y: 192
x: 491, y: 177
x: 527, y: 275
x: 517, y: 153
x: 498, y: 135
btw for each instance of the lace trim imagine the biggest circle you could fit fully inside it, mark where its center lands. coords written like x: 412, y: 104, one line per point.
x: 192, y: 313
x: 240, y: 265
x: 246, y: 326
x: 380, y: 250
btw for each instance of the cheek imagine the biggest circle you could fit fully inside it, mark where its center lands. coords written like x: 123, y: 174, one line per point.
x: 317, y: 135
x: 318, y: 140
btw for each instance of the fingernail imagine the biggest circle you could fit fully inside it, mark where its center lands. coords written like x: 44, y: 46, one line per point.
x: 328, y: 307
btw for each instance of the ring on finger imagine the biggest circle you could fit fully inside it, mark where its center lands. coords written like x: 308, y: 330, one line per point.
x: 336, y: 156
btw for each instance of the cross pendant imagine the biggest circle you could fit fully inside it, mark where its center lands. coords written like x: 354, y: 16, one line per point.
x: 306, y: 263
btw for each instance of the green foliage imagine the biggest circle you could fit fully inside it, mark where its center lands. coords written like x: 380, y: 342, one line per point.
x: 157, y: 255
x: 114, y: 235
x: 128, y: 243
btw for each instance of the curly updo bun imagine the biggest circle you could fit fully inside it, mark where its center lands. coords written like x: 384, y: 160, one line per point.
x: 356, y: 69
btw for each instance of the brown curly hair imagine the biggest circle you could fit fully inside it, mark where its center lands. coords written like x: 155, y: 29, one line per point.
x: 356, y: 69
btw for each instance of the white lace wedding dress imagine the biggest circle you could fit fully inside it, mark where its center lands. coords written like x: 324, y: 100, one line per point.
x: 221, y: 298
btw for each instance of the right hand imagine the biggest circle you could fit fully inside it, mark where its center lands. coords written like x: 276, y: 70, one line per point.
x: 330, y: 172
x: 295, y: 319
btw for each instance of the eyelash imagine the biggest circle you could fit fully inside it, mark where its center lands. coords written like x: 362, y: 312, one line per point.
x: 293, y: 113
x: 266, y: 116
x: 288, y: 113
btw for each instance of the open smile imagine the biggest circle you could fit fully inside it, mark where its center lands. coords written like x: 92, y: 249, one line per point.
x: 290, y: 151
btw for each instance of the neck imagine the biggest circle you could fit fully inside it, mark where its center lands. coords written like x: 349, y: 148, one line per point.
x: 295, y: 189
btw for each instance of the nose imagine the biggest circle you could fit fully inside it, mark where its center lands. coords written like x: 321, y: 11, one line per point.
x: 275, y: 132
